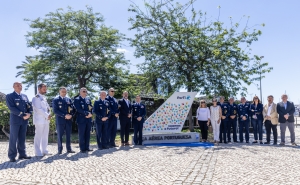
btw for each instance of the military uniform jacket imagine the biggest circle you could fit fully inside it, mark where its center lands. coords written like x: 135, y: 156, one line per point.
x: 233, y: 111
x: 225, y: 110
x: 114, y: 107
x: 83, y: 107
x: 18, y: 106
x: 62, y: 107
x: 41, y: 110
x: 257, y: 110
x: 101, y: 109
x: 124, y: 109
x: 243, y: 110
x: 138, y: 111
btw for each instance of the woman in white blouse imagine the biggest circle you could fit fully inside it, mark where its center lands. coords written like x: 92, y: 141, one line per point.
x: 203, y: 116
x: 215, y: 118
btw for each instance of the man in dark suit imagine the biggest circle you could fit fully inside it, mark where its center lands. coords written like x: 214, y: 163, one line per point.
x: 286, y: 110
x: 63, y: 109
x: 113, y: 120
x: 102, y: 111
x: 83, y: 106
x: 20, y: 112
x: 138, y: 118
x: 125, y: 118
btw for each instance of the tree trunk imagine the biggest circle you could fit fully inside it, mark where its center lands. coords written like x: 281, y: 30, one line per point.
x: 190, y: 115
x: 35, y: 87
x: 4, y: 131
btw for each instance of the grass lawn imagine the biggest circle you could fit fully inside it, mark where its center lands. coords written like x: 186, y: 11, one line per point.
x: 74, y: 138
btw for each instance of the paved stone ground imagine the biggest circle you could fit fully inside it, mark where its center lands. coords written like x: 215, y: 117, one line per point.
x: 223, y: 164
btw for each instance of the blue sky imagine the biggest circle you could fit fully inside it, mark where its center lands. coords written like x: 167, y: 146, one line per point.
x: 279, y: 43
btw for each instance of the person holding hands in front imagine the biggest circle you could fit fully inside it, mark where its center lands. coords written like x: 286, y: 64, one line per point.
x: 203, y: 117
x: 256, y: 110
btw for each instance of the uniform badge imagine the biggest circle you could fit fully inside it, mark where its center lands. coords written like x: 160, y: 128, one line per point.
x: 134, y: 109
x: 106, y: 104
x: 100, y: 107
x: 142, y: 106
x: 59, y: 102
x: 107, y: 110
x: 82, y: 106
x: 17, y: 103
x: 225, y: 112
x: 28, y: 106
x: 87, y: 101
x: 90, y: 108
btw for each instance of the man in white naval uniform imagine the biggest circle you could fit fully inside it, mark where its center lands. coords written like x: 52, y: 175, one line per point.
x: 41, y: 120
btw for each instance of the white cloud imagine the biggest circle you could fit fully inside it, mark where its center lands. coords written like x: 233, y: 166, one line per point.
x: 122, y: 50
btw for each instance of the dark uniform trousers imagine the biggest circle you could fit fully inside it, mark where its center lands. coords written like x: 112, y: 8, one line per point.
x: 232, y: 123
x: 101, y: 130
x: 18, y: 106
x: 83, y: 108
x: 62, y: 107
x: 112, y: 121
x: 125, y: 128
x: 244, y: 125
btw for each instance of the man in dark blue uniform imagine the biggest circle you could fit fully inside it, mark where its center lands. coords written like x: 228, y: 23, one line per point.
x: 84, y: 107
x: 224, y: 119
x: 232, y: 120
x: 20, y: 112
x: 102, y: 110
x: 138, y: 118
x: 113, y: 120
x: 125, y: 118
x: 63, y: 109
x: 243, y: 112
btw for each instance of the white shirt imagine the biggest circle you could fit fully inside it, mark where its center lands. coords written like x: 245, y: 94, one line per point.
x: 127, y: 102
x: 203, y: 114
x: 41, y: 109
x: 269, y: 109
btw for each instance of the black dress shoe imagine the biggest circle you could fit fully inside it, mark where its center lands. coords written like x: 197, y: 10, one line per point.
x: 59, y: 152
x: 25, y: 157
x: 254, y: 142
x: 261, y: 142
x: 274, y: 143
x: 114, y: 145
x: 105, y: 147
x: 82, y: 151
x: 235, y: 141
x: 267, y: 143
x: 12, y: 160
x: 225, y: 142
x: 247, y: 141
x: 89, y: 150
x: 70, y: 151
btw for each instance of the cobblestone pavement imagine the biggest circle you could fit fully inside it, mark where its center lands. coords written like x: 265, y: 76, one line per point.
x: 223, y: 164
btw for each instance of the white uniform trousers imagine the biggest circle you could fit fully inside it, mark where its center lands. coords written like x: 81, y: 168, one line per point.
x: 216, y: 129
x: 41, y: 139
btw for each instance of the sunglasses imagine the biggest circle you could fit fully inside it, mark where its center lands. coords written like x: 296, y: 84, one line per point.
x: 84, y: 91
x: 112, y: 91
x: 202, y: 102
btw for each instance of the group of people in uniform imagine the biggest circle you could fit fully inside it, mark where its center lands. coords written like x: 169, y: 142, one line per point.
x: 225, y: 117
x: 106, y: 111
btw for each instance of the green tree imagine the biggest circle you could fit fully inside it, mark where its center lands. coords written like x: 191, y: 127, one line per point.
x: 4, y: 117
x: 81, y: 49
x: 180, y: 44
x: 33, y: 71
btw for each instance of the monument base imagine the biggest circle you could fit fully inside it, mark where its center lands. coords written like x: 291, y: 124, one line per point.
x: 181, y: 137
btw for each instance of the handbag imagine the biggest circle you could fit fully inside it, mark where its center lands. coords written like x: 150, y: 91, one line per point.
x: 210, y: 129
